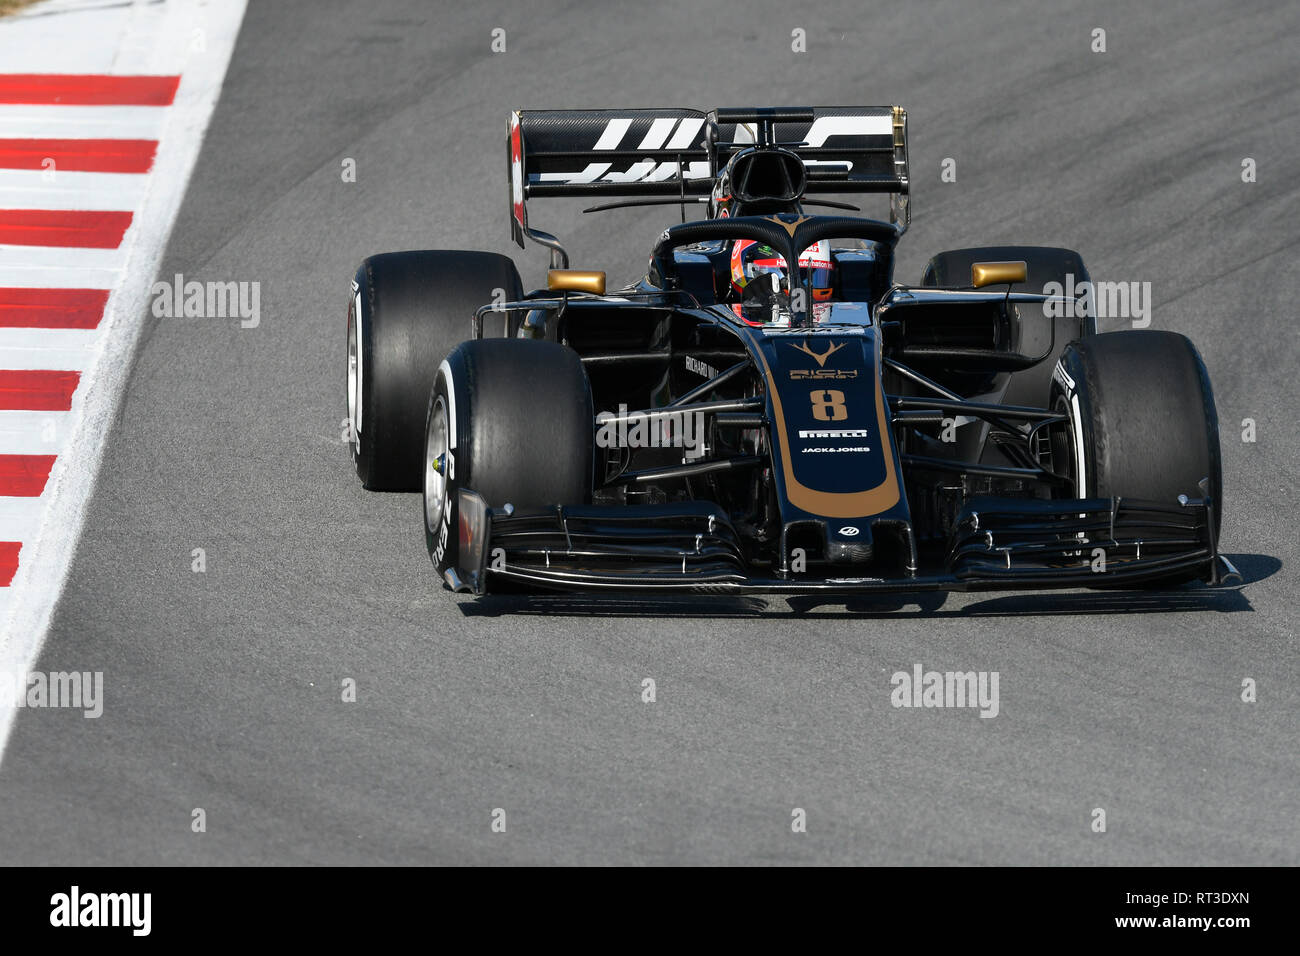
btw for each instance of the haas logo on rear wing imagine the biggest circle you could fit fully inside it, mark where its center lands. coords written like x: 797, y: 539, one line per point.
x: 678, y: 152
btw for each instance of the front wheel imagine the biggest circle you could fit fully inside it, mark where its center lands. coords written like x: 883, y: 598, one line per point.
x: 512, y: 420
x: 1140, y: 417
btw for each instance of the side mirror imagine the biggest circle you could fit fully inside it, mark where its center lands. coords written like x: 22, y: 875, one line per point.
x: 575, y: 280
x: 996, y: 273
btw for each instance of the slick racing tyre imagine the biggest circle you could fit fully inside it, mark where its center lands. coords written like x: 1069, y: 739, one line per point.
x: 511, y: 420
x: 1141, y: 419
x: 408, y: 310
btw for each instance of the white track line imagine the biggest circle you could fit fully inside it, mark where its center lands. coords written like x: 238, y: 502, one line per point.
x: 74, y: 349
x: 155, y: 39
x: 80, y: 122
x: 16, y: 521
x: 52, y: 277
x: 54, y: 261
x: 32, y: 189
x: 32, y: 433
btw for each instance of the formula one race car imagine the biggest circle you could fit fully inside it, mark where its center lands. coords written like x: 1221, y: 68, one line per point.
x: 766, y: 410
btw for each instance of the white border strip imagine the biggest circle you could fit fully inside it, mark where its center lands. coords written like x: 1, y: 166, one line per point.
x: 46, y: 558
x: 93, y: 192
x: 80, y: 122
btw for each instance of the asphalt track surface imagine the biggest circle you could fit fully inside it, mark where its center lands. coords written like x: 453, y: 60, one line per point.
x: 223, y: 688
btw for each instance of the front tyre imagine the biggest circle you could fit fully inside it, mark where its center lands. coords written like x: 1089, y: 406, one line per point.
x: 512, y: 420
x: 1140, y: 416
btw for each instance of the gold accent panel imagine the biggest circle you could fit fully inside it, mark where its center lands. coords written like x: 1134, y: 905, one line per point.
x: 790, y: 227
x: 576, y: 280
x: 996, y: 273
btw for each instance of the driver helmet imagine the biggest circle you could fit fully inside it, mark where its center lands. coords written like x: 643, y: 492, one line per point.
x: 752, y: 261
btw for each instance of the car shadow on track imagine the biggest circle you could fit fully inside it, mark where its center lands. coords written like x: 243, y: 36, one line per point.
x: 1253, y: 568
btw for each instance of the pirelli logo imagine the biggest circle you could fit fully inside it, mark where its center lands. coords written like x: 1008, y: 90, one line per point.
x: 832, y: 433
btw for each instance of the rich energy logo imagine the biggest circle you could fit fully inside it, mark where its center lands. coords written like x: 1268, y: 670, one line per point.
x: 74, y: 908
x: 822, y: 374
x: 831, y: 349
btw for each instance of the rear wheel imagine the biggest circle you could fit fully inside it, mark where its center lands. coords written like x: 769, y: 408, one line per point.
x: 408, y: 310
x: 1044, y: 264
x: 512, y: 421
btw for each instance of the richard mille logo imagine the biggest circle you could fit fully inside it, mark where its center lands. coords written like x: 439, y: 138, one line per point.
x: 831, y: 349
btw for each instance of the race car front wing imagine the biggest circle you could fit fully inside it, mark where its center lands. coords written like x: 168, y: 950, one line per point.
x: 996, y: 544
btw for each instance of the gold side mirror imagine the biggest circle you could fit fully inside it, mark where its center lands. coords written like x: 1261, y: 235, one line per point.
x: 996, y: 273
x: 576, y: 280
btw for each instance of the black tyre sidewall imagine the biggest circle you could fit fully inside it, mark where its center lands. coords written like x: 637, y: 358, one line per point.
x: 1145, y: 414
x: 414, y: 308
x: 520, y: 431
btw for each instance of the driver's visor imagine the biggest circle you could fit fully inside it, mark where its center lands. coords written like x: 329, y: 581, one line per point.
x: 820, y: 280
x: 763, y: 266
x: 820, y: 275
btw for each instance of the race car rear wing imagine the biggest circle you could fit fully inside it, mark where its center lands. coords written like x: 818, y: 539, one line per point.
x: 679, y: 152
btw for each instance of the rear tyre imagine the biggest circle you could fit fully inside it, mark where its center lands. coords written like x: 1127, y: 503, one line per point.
x: 1141, y: 416
x: 408, y: 310
x: 511, y: 420
x: 1044, y: 264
